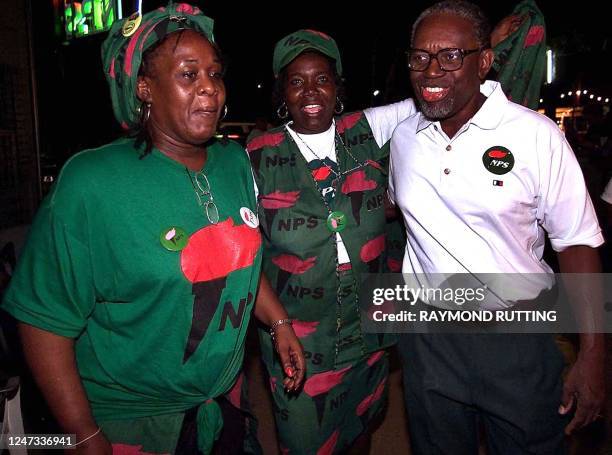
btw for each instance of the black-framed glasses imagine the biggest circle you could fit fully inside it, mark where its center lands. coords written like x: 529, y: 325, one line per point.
x: 450, y: 59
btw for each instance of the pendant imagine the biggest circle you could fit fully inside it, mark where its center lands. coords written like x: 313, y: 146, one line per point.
x: 336, y: 221
x: 174, y: 238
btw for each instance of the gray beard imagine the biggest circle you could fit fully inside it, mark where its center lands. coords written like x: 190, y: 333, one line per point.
x: 437, y: 111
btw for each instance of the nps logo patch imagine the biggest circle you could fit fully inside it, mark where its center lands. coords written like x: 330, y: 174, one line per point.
x: 498, y: 160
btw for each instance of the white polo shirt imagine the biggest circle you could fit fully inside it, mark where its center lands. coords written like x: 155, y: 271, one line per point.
x: 481, y: 201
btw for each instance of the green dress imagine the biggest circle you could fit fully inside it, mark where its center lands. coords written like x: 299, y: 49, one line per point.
x: 300, y: 260
x: 123, y: 259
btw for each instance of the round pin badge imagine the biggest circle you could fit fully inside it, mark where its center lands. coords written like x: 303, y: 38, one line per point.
x: 498, y: 160
x: 131, y: 24
x: 249, y: 218
x: 174, y: 238
x: 336, y: 221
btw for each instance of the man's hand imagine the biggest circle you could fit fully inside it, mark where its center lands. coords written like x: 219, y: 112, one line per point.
x: 584, y: 390
x: 584, y: 387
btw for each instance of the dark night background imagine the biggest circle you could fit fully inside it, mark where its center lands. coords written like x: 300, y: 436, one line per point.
x: 54, y: 100
x: 73, y: 99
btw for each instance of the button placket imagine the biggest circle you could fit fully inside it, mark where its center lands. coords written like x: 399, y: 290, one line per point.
x: 447, y: 160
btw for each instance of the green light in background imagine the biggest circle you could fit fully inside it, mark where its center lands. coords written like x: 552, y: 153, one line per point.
x: 97, y: 14
x: 88, y: 16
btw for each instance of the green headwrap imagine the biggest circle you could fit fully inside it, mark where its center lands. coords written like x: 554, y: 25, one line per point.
x: 520, y: 59
x: 294, y: 44
x: 129, y: 38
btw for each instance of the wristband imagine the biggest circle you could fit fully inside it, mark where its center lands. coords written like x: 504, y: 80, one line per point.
x: 275, y: 325
x: 95, y: 433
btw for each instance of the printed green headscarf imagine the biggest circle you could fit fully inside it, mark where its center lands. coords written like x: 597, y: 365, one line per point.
x: 129, y: 38
x: 292, y: 45
x: 520, y: 59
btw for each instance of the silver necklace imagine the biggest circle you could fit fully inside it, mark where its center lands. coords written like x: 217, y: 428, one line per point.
x: 318, y: 157
x: 201, y: 186
x: 360, y: 164
x: 337, y: 137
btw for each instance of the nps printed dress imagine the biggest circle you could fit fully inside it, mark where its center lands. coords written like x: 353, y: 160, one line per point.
x: 302, y: 205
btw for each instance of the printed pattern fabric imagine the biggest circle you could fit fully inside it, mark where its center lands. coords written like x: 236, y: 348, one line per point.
x: 334, y: 407
x: 299, y: 249
x: 520, y: 59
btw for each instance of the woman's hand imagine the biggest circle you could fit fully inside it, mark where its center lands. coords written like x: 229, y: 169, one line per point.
x: 270, y: 311
x: 506, y: 27
x: 97, y: 445
x: 291, y: 355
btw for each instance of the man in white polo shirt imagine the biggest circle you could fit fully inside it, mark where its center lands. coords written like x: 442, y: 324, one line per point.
x: 479, y: 180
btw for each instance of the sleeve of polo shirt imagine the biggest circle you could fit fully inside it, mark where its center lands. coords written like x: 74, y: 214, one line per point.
x: 52, y: 287
x: 607, y: 194
x: 565, y: 209
x: 384, y: 119
x: 391, y: 184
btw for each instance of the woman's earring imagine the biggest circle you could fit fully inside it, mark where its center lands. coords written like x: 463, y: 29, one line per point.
x: 282, y: 111
x: 224, y: 113
x: 145, y: 112
x: 339, y: 107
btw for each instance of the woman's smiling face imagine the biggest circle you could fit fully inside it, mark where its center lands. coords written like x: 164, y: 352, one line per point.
x: 310, y: 92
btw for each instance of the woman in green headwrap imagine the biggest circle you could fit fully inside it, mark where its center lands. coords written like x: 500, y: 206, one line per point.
x: 137, y: 284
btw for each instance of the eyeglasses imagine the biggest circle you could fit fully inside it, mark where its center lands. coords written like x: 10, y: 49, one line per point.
x: 205, y: 197
x: 450, y: 59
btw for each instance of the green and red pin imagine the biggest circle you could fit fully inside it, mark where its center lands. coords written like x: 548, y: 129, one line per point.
x: 174, y: 238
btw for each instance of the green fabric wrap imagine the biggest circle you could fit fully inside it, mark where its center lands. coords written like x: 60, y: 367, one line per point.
x: 209, y: 418
x: 292, y: 45
x: 122, y: 55
x: 520, y: 60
